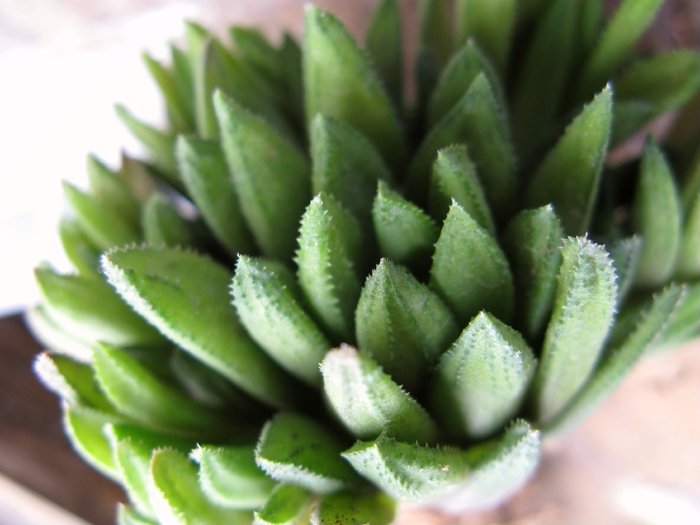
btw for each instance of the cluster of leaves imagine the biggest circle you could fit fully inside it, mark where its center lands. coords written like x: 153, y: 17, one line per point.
x: 417, y: 293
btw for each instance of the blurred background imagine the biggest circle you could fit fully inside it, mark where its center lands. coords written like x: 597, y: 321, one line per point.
x: 63, y: 65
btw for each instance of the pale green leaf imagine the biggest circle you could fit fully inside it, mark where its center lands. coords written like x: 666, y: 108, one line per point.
x: 183, y: 79
x: 685, y: 324
x: 402, y: 324
x: 297, y: 450
x: 469, y: 271
x: 368, y: 402
x: 569, y: 175
x: 128, y: 516
x: 287, y: 505
x: 51, y: 334
x: 80, y: 250
x: 688, y: 264
x: 111, y: 191
x: 584, y: 308
x: 479, y: 384
x: 177, y: 107
x: 85, y: 430
x: 267, y: 301
x: 163, y: 225
x: 625, y: 255
x: 167, y: 286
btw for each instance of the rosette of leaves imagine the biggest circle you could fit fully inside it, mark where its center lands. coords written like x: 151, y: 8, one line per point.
x: 314, y: 299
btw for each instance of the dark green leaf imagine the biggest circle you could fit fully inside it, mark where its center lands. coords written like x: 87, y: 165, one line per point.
x: 688, y: 265
x: 254, y: 48
x: 350, y: 508
x: 435, y: 43
x: 288, y: 505
x: 383, y: 43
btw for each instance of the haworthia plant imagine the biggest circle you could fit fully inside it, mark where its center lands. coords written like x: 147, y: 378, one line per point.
x: 319, y: 296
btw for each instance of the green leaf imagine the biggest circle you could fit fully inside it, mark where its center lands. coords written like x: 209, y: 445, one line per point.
x: 346, y: 166
x: 455, y: 79
x: 543, y: 75
x: 630, y: 116
x: 402, y: 324
x: 158, y: 143
x: 84, y: 428
x: 52, y: 336
x: 291, y: 57
x: 368, y: 402
x: 625, y: 255
x: 340, y: 83
x: 138, y: 177
x: 208, y: 181
x: 166, y: 286
x: 383, y: 42
x: 584, y: 308
x: 657, y: 218
x: 613, y: 368
x: 569, y: 175
x: 499, y: 468
x: 72, y: 381
x: 328, y: 259
x: 628, y: 23
x: 183, y: 79
x: 177, y: 498
x: 532, y: 243
x: 287, y: 505
x: 102, y: 225
x: 455, y: 177
x: 80, y: 250
x: 143, y: 397
x: 688, y: 264
x: 90, y: 310
x: 591, y: 14
x: 163, y: 225
x: 491, y: 23
x: 480, y: 382
x: 349, y: 508
x: 470, y: 272
x: 111, y: 191
x: 230, y: 477
x: 405, y: 233
x: 254, y: 48
x: 271, y: 176
x: 297, y: 450
x: 267, y: 301
x: 128, y: 516
x: 685, y: 324
x: 435, y: 43
x: 479, y: 122
x: 408, y: 472
x: 175, y: 103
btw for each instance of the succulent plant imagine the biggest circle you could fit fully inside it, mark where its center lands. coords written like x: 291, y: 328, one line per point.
x: 315, y: 299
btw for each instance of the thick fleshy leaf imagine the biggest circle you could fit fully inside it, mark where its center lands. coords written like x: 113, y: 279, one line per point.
x: 185, y: 296
x: 254, y: 48
x: 80, y: 250
x: 368, y: 402
x: 90, y: 310
x: 455, y: 177
x: 72, y: 381
x: 584, y: 308
x: 383, y: 42
x: 435, y: 43
x: 405, y: 233
x: 455, y: 79
x: 176, y: 497
x: 408, y: 472
x: 345, y: 165
x: 613, y: 368
x: 111, y: 191
x: 141, y: 396
x: 163, y: 225
x: 208, y: 181
x: 138, y: 177
x: 688, y: 265
x: 329, y: 265
x: 287, y: 505
x: 349, y: 508
x: 339, y: 80
x: 102, y: 225
x: 499, y: 468
x: 175, y: 103
x: 470, y: 272
x: 625, y: 255
x: 491, y: 23
x: 297, y: 450
x: 267, y: 301
x: 85, y: 430
x: 532, y: 243
x: 543, y: 76
x: 291, y: 57
x: 270, y: 174
x: 480, y: 382
x: 478, y: 121
x: 591, y: 15
x: 160, y: 144
x: 569, y: 176
x: 657, y: 217
x: 51, y: 335
x: 685, y: 324
x: 616, y: 42
x: 229, y: 476
x: 128, y: 516
x: 183, y: 79
x: 402, y: 324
